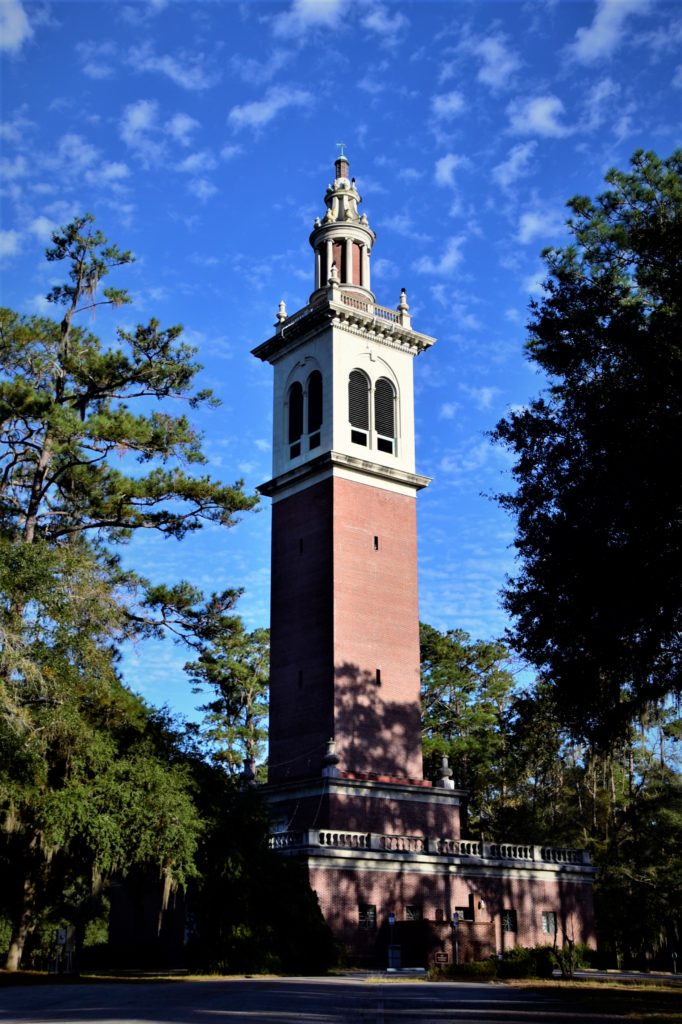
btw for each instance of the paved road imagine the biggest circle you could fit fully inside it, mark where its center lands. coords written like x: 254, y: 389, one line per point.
x: 281, y: 1001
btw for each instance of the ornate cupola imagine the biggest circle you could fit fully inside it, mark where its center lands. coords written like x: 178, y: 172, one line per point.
x: 342, y: 239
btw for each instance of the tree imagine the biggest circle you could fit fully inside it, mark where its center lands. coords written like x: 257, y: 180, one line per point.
x: 465, y: 691
x: 235, y: 664
x: 84, y: 790
x: 596, y: 600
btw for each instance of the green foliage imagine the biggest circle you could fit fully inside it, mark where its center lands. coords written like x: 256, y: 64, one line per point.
x: 235, y: 664
x: 475, y: 970
x: 255, y: 911
x: 91, y: 450
x: 596, y: 601
x: 465, y: 692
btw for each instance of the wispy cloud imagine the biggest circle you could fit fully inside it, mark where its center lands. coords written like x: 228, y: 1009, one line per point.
x: 602, y: 38
x: 260, y: 112
x: 519, y: 161
x: 449, y: 260
x: 446, y: 166
x: 180, y: 127
x: 9, y: 243
x: 539, y: 223
x: 260, y: 72
x: 306, y: 15
x: 403, y: 225
x: 96, y: 59
x: 139, y: 130
x: 498, y: 62
x: 482, y: 397
x: 15, y: 28
x: 389, y: 26
x: 202, y: 189
x: 603, y: 94
x: 447, y: 105
x: 538, y: 115
x: 189, y: 71
x: 198, y: 163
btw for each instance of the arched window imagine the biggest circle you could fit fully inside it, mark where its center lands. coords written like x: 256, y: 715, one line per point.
x: 358, y: 406
x: 295, y: 419
x: 384, y: 415
x: 314, y: 408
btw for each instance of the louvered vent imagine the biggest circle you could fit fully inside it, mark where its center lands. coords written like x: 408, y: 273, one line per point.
x: 358, y: 400
x: 384, y: 414
x: 295, y: 419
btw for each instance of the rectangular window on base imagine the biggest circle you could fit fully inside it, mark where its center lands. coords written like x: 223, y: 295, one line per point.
x: 358, y: 437
x: 549, y: 922
x: 414, y: 913
x: 509, y: 921
x: 367, y: 916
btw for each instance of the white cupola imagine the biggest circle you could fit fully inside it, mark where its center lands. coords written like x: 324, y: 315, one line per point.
x: 342, y: 240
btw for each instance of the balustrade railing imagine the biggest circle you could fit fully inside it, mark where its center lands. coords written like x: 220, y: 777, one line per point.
x: 346, y: 840
x: 383, y: 312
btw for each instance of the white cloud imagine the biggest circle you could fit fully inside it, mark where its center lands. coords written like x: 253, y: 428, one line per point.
x: 389, y: 27
x: 483, y: 397
x: 383, y: 268
x: 15, y: 28
x: 372, y: 86
x: 403, y: 225
x: 448, y: 262
x: 498, y: 62
x: 138, y: 118
x: 12, y: 169
x: 180, y: 128
x: 9, y: 243
x: 42, y: 228
x: 139, y: 129
x: 447, y: 105
x: 259, y: 71
x: 95, y: 59
x: 230, y: 152
x: 189, y: 72
x: 410, y: 174
x: 260, y: 112
x: 202, y: 188
x: 446, y: 167
x: 598, y: 101
x: 603, y: 36
x: 198, y: 163
x: 533, y: 284
x: 39, y: 304
x: 108, y: 173
x: 515, y: 166
x: 304, y: 15
x: 677, y: 77
x: 539, y: 115
x: 447, y: 410
x: 75, y: 153
x: 535, y: 224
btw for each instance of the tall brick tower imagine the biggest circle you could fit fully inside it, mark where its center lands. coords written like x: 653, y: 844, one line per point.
x: 344, y: 622
x: 382, y: 846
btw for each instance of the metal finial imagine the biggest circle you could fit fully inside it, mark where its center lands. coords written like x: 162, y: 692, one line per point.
x: 342, y: 146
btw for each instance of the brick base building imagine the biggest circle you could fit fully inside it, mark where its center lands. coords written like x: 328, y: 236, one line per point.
x: 383, y: 847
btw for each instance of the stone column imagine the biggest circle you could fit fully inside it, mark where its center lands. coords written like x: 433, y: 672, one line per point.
x: 318, y: 269
x: 364, y: 251
x: 349, y: 261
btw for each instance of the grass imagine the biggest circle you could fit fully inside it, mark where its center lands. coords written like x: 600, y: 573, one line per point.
x: 653, y: 1002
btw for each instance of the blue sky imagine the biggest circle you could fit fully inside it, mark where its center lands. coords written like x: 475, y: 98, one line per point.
x: 202, y: 136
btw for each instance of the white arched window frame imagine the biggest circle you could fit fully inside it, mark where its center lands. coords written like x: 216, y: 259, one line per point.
x: 373, y: 412
x: 304, y: 411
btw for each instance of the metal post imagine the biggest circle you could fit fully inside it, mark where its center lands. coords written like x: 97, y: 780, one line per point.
x: 455, y: 934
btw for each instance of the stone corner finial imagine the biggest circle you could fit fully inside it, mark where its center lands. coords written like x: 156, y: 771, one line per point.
x: 404, y: 317
x: 331, y: 760
x: 281, y: 315
x: 445, y: 780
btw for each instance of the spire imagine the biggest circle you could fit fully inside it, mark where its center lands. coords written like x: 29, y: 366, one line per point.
x: 343, y: 236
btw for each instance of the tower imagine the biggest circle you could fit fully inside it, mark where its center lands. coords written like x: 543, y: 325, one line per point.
x: 344, y: 622
x: 345, y: 779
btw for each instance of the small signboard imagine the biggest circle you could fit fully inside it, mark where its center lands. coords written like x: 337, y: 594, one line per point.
x: 441, y: 957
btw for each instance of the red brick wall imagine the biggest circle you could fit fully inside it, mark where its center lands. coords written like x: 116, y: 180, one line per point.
x: 376, y: 626
x: 340, y: 610
x: 340, y: 893
x: 301, y: 636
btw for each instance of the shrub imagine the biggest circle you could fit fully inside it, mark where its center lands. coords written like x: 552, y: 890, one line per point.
x: 476, y: 970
